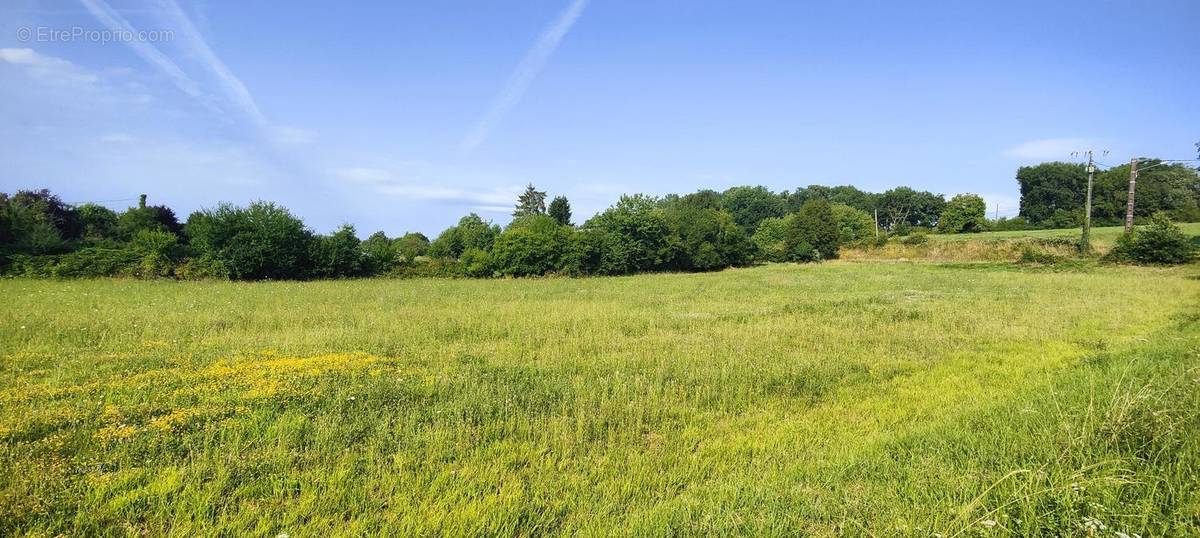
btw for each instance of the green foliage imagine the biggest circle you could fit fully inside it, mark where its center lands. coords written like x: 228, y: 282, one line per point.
x: 136, y: 219
x: 1162, y: 242
x: 337, y: 255
x: 560, y: 210
x: 531, y: 202
x: 530, y: 246
x: 412, y: 244
x: 702, y: 199
x: 854, y: 225
x: 1006, y: 224
x: 471, y: 232
x: 1173, y: 189
x: 639, y: 231
x: 379, y: 254
x: 99, y: 222
x: 593, y: 251
x: 814, y: 230
x: 159, y: 251
x: 477, y: 263
x: 841, y: 194
x: 770, y: 240
x: 965, y: 213
x: 705, y: 239
x: 28, y: 224
x: 262, y: 241
x: 204, y: 267
x: 750, y: 205
x: 906, y: 206
x: 1052, y: 192
x: 919, y: 237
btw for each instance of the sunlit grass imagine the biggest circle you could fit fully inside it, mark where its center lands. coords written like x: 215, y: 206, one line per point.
x: 1102, y: 237
x: 839, y: 398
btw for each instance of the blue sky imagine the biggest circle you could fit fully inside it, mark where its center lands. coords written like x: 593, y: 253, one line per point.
x: 404, y: 116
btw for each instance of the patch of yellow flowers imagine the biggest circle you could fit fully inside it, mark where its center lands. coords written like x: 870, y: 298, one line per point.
x: 224, y: 388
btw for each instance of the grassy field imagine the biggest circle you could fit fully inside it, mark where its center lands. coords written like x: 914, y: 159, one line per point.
x: 858, y: 398
x: 1103, y: 237
x: 995, y: 246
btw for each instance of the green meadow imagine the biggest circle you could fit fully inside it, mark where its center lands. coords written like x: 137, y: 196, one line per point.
x: 843, y: 398
x: 1102, y: 237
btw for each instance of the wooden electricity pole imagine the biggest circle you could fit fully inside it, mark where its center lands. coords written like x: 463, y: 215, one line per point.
x: 876, y: 224
x: 1085, y: 241
x: 1132, y: 185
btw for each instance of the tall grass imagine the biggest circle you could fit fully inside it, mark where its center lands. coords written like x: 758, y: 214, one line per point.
x: 840, y: 398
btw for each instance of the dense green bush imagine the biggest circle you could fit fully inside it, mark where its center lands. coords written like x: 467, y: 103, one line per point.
x: 99, y: 222
x: 337, y: 255
x: 640, y: 233
x: 201, y: 268
x: 917, y: 238
x: 1162, y: 242
x: 813, y: 228
x: 751, y: 205
x: 704, y: 239
x: 965, y: 213
x: 411, y: 245
x: 531, y: 245
x: 854, y: 225
x: 379, y: 254
x: 471, y: 232
x: 1005, y: 224
x: 262, y: 241
x: 770, y: 239
x: 595, y: 252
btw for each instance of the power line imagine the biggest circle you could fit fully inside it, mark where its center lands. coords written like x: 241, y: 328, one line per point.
x: 105, y: 201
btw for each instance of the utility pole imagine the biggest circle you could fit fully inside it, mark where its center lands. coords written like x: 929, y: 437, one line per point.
x: 876, y: 224
x: 1132, y: 185
x: 1085, y: 240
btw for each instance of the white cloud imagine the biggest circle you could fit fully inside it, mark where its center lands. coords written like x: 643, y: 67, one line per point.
x: 525, y: 73
x: 1049, y: 149
x: 47, y: 68
x: 417, y: 184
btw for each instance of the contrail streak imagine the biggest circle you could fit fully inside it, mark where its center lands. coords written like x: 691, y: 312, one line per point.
x: 525, y: 73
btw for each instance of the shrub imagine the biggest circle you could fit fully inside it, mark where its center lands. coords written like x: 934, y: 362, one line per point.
x: 918, y: 238
x: 379, y: 254
x: 411, y: 245
x: 965, y: 213
x: 532, y: 245
x: 593, y: 252
x: 470, y: 232
x: 202, y: 268
x: 1010, y: 224
x: 854, y: 225
x: 99, y: 222
x: 815, y: 227
x: 1162, y: 242
x: 476, y: 262
x: 337, y: 255
x: 770, y: 239
x: 705, y: 239
x: 159, y: 249
x: 262, y: 241
x: 804, y: 253
x: 640, y: 234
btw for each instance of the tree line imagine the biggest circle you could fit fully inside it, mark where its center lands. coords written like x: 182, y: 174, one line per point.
x: 1052, y: 194
x: 705, y: 230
